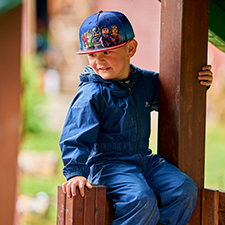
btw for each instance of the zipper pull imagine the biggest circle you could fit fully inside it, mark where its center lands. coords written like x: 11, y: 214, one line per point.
x: 128, y: 88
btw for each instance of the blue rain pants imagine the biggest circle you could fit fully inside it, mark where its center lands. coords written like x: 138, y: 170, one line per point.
x: 146, y: 190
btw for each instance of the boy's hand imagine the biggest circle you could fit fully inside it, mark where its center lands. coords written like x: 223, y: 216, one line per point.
x: 70, y: 186
x: 205, y: 75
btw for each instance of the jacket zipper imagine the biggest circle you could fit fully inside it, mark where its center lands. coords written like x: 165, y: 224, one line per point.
x: 137, y: 117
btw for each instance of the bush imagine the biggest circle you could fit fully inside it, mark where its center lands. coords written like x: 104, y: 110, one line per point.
x: 33, y: 118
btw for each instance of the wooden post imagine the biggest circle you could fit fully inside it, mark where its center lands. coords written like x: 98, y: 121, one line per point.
x: 182, y: 101
x: 10, y: 89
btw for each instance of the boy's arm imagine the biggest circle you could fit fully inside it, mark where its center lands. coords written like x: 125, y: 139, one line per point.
x: 205, y: 75
x: 79, y: 134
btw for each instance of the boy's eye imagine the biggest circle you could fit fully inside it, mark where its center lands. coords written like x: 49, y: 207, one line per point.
x: 91, y: 55
x: 106, y: 52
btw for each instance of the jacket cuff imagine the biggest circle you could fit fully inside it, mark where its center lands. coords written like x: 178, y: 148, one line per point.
x: 76, y: 171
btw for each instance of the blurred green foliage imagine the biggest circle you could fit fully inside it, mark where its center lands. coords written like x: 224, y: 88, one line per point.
x: 42, y: 141
x: 36, y: 136
x: 30, y: 185
x: 215, y: 156
x: 33, y: 117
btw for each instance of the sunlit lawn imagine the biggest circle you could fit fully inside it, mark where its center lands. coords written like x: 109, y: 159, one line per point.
x: 215, y: 156
x: 30, y: 185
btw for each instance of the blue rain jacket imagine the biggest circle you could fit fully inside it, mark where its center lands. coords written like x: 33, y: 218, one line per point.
x: 108, y: 118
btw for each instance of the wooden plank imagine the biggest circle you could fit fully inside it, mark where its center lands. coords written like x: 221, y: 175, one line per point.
x: 61, y: 206
x: 100, y: 205
x: 221, y: 207
x: 78, y: 208
x: 182, y: 100
x: 110, y: 211
x: 210, y: 207
x: 74, y: 209
x: 221, y: 218
x: 69, y: 211
x: 89, y: 206
x: 222, y: 201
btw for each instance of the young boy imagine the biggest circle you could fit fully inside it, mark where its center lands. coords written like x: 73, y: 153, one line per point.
x: 106, y: 132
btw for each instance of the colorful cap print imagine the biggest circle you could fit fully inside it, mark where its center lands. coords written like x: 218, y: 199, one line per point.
x: 104, y: 31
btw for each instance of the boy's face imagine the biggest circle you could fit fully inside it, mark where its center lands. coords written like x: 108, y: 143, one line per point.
x: 113, y: 64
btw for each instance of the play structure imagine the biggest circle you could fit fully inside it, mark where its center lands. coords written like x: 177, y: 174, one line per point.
x: 186, y: 27
x: 182, y: 102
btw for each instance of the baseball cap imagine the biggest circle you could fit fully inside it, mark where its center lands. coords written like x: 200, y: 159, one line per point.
x: 104, y: 31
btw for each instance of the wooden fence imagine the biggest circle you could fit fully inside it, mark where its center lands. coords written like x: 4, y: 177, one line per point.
x: 213, y: 207
x: 92, y: 209
x: 96, y: 209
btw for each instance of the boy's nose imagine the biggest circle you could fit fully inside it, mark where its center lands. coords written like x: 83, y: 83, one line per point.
x: 99, y: 58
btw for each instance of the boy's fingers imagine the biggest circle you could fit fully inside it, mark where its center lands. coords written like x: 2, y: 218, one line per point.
x: 205, y: 80
x: 73, y: 189
x: 88, y: 185
x: 64, y: 187
x: 81, y: 190
x: 70, y: 186
x: 205, y: 77
x: 207, y: 67
x: 205, y: 72
x: 82, y: 185
x: 206, y: 83
x: 68, y: 189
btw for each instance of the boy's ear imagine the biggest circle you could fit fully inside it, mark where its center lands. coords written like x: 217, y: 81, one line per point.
x: 132, y: 47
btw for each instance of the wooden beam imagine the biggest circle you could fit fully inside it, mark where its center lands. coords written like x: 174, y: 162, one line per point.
x: 182, y: 100
x: 10, y: 90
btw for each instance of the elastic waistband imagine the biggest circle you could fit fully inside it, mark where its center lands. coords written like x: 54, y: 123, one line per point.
x: 125, y: 148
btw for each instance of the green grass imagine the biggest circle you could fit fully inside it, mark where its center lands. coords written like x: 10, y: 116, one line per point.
x: 215, y: 156
x: 41, y: 141
x: 30, y: 185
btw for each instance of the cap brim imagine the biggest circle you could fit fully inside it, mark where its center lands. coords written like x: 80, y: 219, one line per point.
x: 100, y: 50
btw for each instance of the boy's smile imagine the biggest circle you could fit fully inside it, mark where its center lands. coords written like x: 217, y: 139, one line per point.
x: 113, y: 64
x: 104, y: 69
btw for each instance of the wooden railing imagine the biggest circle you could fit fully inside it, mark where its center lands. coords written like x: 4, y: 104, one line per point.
x: 96, y: 209
x: 213, y: 207
x: 92, y: 209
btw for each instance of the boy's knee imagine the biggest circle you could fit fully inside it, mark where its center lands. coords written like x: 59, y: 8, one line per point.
x: 142, y: 208
x: 189, y: 187
x: 185, y: 190
x: 185, y: 193
x: 190, y: 190
x: 179, y: 202
x: 138, y: 201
